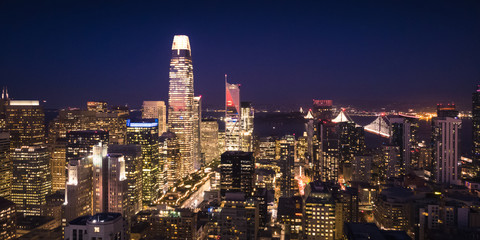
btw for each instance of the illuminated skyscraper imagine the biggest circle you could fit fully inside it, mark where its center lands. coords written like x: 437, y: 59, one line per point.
x: 247, y: 115
x: 31, y: 178
x: 156, y: 109
x: 476, y: 127
x: 233, y: 125
x: 197, y: 119
x: 180, y: 101
x: 446, y: 152
x: 209, y: 140
x: 80, y: 143
x: 78, y: 190
x: 25, y: 121
x: 58, y: 164
x: 109, y: 182
x: 237, y: 173
x: 5, y: 166
x: 133, y: 171
x: 170, y: 153
x: 145, y: 134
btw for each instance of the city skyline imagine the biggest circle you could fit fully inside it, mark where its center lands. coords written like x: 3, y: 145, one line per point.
x: 367, y: 54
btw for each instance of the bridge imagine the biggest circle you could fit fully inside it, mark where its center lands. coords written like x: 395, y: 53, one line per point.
x: 380, y: 126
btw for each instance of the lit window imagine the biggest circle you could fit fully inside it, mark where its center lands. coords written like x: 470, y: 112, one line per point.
x: 96, y: 229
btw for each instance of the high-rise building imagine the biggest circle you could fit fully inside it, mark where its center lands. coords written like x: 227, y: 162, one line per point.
x: 362, y: 168
x: 326, y: 161
x: 237, y: 173
x: 5, y: 166
x: 99, y: 226
x: 319, y: 212
x: 322, y: 109
x: 73, y: 119
x: 174, y: 224
x: 239, y: 217
x: 233, y: 125
x: 7, y: 219
x: 78, y: 189
x: 180, y: 101
x: 80, y: 143
x: 109, y: 182
x: 171, y: 156
x: 290, y: 214
x: 391, y: 161
x: 58, y: 164
x: 209, y: 140
x: 286, y: 158
x: 445, y: 140
x: 158, y: 110
x: 266, y: 148
x: 133, y: 172
x: 197, y: 120
x: 145, y: 134
x: 403, y: 136
x: 247, y: 114
x: 476, y: 127
x: 25, y: 121
x: 31, y: 181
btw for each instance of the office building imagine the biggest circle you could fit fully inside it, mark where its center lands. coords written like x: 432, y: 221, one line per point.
x: 476, y: 127
x: 158, y: 110
x: 362, y: 168
x: 403, y: 136
x: 7, y: 219
x: 78, y: 189
x: 199, y: 161
x: 238, y: 218
x: 209, y: 140
x: 58, y: 164
x: 247, y: 114
x: 327, y: 155
x: 391, y: 161
x: 109, y: 182
x: 145, y: 134
x: 31, y: 181
x: 233, y: 125
x: 25, y: 122
x: 319, y: 212
x: 180, y: 102
x: 80, y: 143
x: 174, y: 224
x: 445, y: 141
x: 5, y: 166
x: 132, y: 155
x: 237, y: 173
x: 286, y: 159
x: 171, y: 156
x: 290, y: 214
x: 100, y: 226
x: 322, y: 109
x: 392, y: 209
x: 266, y: 148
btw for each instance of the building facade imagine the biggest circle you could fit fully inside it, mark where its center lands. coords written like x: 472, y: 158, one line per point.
x: 180, y: 102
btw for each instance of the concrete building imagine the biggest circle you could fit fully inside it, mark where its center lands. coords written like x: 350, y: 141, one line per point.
x: 156, y: 110
x: 105, y: 226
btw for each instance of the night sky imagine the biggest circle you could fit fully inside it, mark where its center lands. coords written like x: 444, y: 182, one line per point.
x: 365, y: 53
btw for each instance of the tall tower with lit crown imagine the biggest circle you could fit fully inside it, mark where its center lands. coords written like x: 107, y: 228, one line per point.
x: 232, y: 117
x: 180, y: 101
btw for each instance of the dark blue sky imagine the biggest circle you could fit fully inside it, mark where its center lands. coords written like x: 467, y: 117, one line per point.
x: 283, y: 53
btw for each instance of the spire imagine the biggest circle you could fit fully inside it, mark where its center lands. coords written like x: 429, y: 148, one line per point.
x: 6, y: 92
x: 3, y: 93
